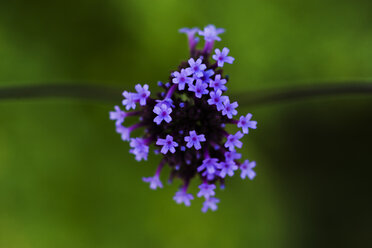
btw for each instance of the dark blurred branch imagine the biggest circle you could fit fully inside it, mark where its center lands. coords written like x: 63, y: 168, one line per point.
x: 113, y: 95
x: 77, y: 91
x: 303, y: 92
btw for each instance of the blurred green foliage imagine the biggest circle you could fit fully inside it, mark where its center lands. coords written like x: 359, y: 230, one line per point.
x: 67, y: 180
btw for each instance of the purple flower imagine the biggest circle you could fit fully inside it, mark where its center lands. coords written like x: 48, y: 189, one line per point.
x: 130, y: 100
x: 211, y: 33
x: 117, y: 115
x: 199, y: 88
x: 210, y: 164
x: 163, y: 112
x: 124, y: 131
x: 210, y: 203
x: 233, y: 155
x: 168, y: 144
x: 247, y: 169
x: 142, y: 93
x: 167, y: 101
x: 191, y: 138
x: 206, y: 76
x: 245, y: 123
x: 206, y: 190
x: 218, y: 83
x: 210, y: 176
x: 229, y: 109
x: 233, y: 141
x: 194, y: 140
x: 182, y: 197
x: 140, y: 149
x: 217, y: 99
x: 221, y: 57
x: 154, y: 181
x: 196, y: 68
x: 228, y: 168
x: 181, y: 78
x: 190, y: 32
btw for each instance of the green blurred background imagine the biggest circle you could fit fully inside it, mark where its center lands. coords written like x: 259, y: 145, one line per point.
x: 67, y: 180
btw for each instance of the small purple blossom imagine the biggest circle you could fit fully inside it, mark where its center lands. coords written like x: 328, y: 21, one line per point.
x: 221, y: 57
x: 206, y: 190
x: 124, y: 131
x: 209, y: 164
x: 167, y: 101
x: 245, y: 123
x: 194, y: 140
x: 182, y: 197
x: 139, y: 148
x: 229, y: 109
x: 199, y: 88
x: 233, y: 155
x: 181, y: 78
x: 227, y: 168
x: 190, y: 32
x: 196, y: 67
x: 168, y: 144
x: 211, y: 33
x: 163, y: 112
x: 118, y: 115
x: 233, y: 141
x: 142, y: 93
x: 218, y: 83
x: 247, y: 169
x: 206, y: 76
x: 210, y: 203
x: 217, y: 99
x: 130, y: 100
x: 154, y: 181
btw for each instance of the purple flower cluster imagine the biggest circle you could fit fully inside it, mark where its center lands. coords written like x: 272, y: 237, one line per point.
x: 187, y: 122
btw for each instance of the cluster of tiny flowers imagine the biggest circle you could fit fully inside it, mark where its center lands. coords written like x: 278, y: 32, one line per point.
x: 186, y: 122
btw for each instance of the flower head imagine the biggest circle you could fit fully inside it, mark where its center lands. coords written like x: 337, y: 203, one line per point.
x: 182, y: 197
x: 181, y: 78
x: 229, y: 109
x: 154, y: 181
x: 221, y: 57
x: 209, y: 164
x: 142, y: 94
x: 245, y: 123
x: 163, y: 111
x: 139, y: 148
x: 218, y: 83
x: 211, y: 33
x: 206, y: 190
x: 188, y: 122
x: 217, y: 99
x: 190, y: 32
x: 130, y: 100
x: 233, y: 140
x: 168, y: 144
x: 228, y: 168
x: 199, y: 88
x: 210, y: 203
x: 118, y: 115
x: 196, y: 67
x: 193, y: 140
x: 247, y: 169
x: 206, y: 78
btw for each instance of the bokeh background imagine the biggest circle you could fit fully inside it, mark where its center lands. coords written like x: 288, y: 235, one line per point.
x: 67, y: 180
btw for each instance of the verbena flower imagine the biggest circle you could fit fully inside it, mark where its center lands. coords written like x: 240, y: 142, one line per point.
x: 187, y: 122
x: 221, y: 57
